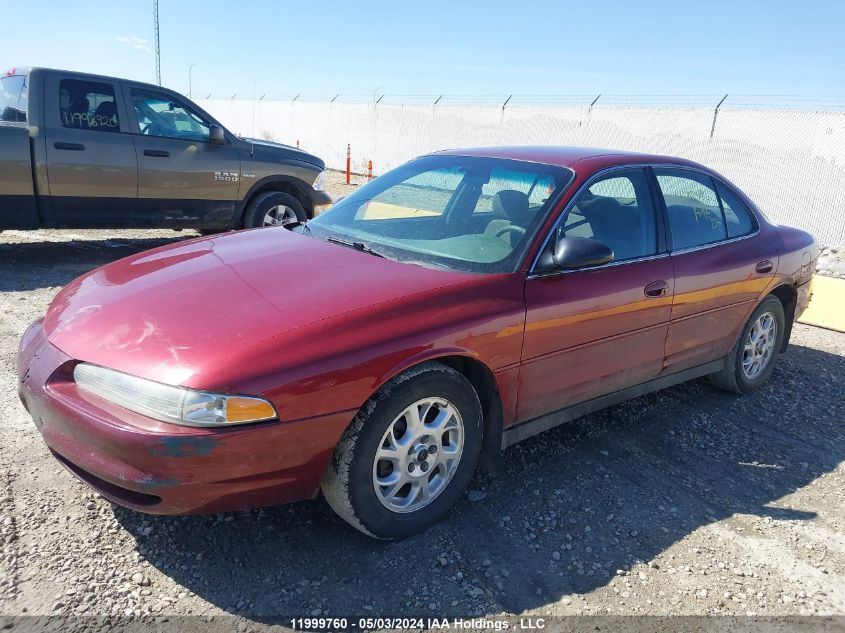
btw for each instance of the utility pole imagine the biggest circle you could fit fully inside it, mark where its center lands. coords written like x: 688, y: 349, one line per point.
x: 158, y: 48
x: 190, y: 68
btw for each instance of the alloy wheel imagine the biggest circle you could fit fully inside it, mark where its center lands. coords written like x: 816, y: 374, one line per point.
x: 280, y: 215
x: 759, y: 345
x: 418, y: 455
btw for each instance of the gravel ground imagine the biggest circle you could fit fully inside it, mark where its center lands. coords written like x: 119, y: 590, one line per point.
x: 690, y: 501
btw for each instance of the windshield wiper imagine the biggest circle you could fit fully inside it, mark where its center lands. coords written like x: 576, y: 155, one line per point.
x: 358, y: 246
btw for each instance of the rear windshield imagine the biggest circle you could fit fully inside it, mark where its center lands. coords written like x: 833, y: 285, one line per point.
x: 13, y: 97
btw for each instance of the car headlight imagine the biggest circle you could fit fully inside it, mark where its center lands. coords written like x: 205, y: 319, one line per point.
x: 320, y: 182
x: 167, y: 403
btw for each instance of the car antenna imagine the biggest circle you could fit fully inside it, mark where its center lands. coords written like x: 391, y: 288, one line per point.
x: 252, y: 136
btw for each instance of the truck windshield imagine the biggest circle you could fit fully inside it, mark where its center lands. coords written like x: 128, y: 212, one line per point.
x: 466, y: 213
x: 13, y: 98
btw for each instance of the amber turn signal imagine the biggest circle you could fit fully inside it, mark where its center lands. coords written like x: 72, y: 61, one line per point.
x: 248, y: 410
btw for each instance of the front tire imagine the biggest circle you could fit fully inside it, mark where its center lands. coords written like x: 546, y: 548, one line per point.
x: 752, y: 358
x: 274, y: 208
x: 408, y: 455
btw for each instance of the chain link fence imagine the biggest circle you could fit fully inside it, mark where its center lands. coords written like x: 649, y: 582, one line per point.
x: 789, y: 160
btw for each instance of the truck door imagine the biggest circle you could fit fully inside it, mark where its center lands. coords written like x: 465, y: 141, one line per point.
x: 91, y: 165
x: 184, y: 178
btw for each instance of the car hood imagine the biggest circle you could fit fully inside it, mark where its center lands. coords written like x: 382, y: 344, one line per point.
x: 266, y: 150
x: 170, y: 313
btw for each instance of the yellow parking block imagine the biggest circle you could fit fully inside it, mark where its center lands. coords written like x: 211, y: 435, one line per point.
x: 827, y: 308
x: 374, y: 210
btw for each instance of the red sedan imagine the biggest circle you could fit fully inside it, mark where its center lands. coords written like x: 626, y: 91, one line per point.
x: 448, y: 309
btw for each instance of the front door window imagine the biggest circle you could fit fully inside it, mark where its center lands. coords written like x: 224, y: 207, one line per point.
x: 161, y: 115
x: 617, y: 211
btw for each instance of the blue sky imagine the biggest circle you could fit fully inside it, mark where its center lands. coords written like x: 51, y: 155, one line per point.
x: 433, y: 47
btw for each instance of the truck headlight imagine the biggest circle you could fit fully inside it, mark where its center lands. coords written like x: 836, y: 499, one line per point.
x: 320, y: 182
x: 177, y: 405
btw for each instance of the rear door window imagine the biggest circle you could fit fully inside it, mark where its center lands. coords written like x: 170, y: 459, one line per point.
x: 88, y: 105
x: 739, y: 220
x: 695, y: 215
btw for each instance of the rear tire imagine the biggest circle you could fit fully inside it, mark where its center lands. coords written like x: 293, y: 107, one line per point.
x: 752, y: 358
x: 395, y: 472
x: 274, y: 208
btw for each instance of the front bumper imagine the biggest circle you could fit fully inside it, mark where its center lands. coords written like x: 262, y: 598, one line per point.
x: 163, y: 468
x: 321, y: 201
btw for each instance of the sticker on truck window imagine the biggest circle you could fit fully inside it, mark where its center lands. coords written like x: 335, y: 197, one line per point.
x: 88, y: 105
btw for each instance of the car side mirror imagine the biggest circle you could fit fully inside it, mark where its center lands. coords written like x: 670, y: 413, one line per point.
x: 216, y: 134
x: 572, y: 253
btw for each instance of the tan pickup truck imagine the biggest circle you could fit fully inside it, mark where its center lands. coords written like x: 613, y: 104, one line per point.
x: 85, y: 151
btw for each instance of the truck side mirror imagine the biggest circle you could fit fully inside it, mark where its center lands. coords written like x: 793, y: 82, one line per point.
x: 216, y: 134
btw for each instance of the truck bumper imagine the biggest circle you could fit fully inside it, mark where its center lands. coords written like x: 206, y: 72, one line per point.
x: 321, y: 201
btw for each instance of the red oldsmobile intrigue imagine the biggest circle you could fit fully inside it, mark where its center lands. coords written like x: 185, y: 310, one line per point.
x: 448, y: 309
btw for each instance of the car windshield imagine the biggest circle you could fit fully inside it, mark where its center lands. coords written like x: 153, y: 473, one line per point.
x: 466, y: 213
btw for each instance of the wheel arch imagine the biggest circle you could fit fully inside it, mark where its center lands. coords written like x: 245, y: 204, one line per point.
x: 788, y: 297
x: 483, y: 380
x: 284, y: 184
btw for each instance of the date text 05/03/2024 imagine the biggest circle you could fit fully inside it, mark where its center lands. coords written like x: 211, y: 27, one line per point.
x: 459, y: 624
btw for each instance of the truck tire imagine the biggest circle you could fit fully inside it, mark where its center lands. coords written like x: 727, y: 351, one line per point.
x: 752, y: 358
x: 408, y: 454
x: 274, y: 208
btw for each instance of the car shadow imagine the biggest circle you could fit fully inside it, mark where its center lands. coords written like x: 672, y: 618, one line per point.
x: 569, y: 509
x: 30, y: 265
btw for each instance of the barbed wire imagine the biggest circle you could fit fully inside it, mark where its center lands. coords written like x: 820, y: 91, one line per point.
x: 708, y: 100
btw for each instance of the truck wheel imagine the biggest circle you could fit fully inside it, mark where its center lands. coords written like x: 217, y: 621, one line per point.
x: 274, y: 208
x: 752, y: 358
x: 408, y: 454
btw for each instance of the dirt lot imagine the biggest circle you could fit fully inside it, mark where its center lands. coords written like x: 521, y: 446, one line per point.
x: 691, y: 501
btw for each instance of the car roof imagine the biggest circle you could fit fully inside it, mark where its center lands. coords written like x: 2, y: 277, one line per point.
x: 566, y: 156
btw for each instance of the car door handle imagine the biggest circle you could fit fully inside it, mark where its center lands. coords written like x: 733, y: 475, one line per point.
x: 656, y: 289
x: 160, y: 153
x: 764, y: 267
x: 76, y: 147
